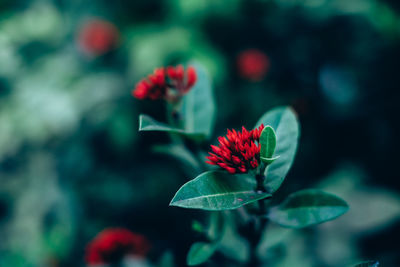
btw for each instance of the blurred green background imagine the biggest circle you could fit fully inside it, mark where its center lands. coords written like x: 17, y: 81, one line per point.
x: 73, y: 163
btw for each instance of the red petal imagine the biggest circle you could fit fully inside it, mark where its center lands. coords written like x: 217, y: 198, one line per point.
x: 191, y: 77
x: 171, y: 72
x: 179, y: 73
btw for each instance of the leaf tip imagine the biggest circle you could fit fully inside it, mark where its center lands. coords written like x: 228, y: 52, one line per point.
x: 140, y: 122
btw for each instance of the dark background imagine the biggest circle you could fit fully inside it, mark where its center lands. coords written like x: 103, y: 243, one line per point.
x: 73, y: 163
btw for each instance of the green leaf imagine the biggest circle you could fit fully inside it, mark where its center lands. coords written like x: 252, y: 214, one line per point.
x: 308, y: 207
x: 198, y: 106
x: 146, y: 123
x: 284, y: 121
x: 269, y: 160
x: 216, y: 226
x: 197, y: 226
x: 166, y: 260
x: 367, y: 264
x: 232, y: 244
x: 181, y: 153
x: 267, y: 142
x: 200, y: 252
x: 217, y: 190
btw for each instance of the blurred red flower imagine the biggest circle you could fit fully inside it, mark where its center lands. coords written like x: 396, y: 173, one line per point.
x: 113, y: 244
x: 253, y: 64
x: 97, y: 37
x: 168, y: 83
x: 238, y: 152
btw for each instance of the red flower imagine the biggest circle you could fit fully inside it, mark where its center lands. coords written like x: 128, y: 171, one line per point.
x: 170, y: 83
x: 97, y: 37
x: 253, y: 64
x: 113, y: 244
x: 238, y: 152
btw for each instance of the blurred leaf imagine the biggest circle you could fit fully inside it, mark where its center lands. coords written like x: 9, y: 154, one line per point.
x: 198, y: 107
x: 179, y: 152
x: 308, y: 207
x: 199, y: 253
x: 296, y: 254
x: 202, y: 251
x: 167, y: 260
x: 215, y: 190
x: 348, y: 183
x: 216, y: 226
x: 232, y: 245
x: 272, y: 236
x: 267, y: 142
x: 284, y: 121
x: 121, y: 130
x: 146, y: 123
x: 197, y: 226
x: 43, y: 224
x: 367, y: 264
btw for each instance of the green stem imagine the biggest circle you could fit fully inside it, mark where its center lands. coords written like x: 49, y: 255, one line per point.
x: 173, y: 118
x: 260, y: 222
x: 173, y: 114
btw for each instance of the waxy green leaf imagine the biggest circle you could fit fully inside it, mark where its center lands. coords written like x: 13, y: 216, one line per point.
x: 146, y: 123
x: 198, y: 105
x: 200, y: 252
x: 269, y: 160
x: 218, y: 190
x: 367, y: 264
x: 267, y: 142
x: 284, y: 121
x: 308, y: 207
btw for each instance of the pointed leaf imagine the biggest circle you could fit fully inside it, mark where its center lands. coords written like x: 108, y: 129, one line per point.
x: 198, y: 106
x: 269, y: 160
x: 217, y: 190
x: 267, y: 142
x: 200, y: 252
x: 308, y: 207
x: 146, y: 123
x: 284, y: 121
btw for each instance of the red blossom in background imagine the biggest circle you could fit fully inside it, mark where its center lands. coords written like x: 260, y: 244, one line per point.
x: 238, y: 152
x: 166, y: 83
x: 97, y: 37
x: 113, y: 244
x: 253, y: 64
x: 154, y: 87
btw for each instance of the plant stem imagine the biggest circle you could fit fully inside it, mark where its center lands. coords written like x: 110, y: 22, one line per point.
x: 173, y: 114
x: 261, y: 203
x: 259, y: 223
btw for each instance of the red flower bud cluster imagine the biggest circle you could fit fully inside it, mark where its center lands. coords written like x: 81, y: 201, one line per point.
x: 113, y: 244
x: 97, y: 37
x: 168, y: 83
x: 238, y: 152
x: 253, y: 64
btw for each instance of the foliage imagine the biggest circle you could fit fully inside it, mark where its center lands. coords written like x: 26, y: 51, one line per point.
x: 72, y: 162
